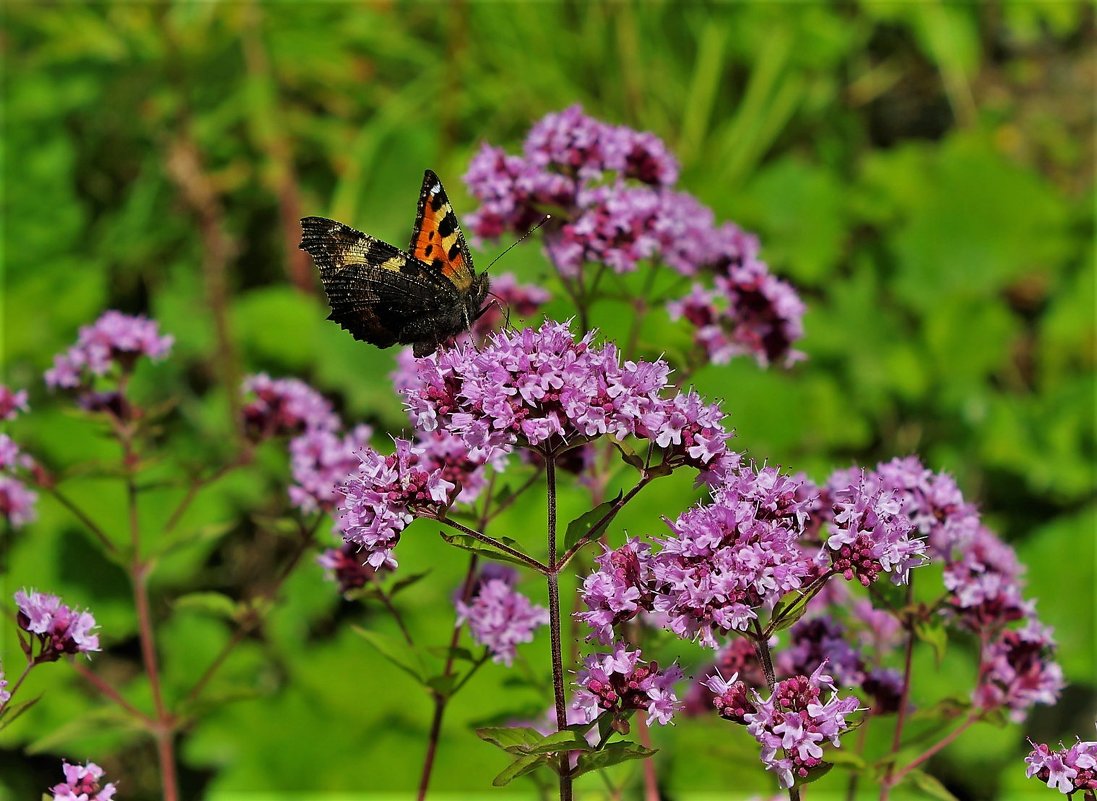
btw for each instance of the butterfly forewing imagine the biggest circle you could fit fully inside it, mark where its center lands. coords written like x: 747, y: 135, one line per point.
x: 437, y: 240
x: 373, y: 288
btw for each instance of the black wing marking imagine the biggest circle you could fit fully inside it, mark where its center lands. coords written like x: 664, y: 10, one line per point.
x: 375, y: 290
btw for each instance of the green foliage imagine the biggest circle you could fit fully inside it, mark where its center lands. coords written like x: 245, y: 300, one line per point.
x: 922, y: 172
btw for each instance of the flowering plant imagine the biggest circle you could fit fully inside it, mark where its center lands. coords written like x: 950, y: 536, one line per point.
x: 803, y: 595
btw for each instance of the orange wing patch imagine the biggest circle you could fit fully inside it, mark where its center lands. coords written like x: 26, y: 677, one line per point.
x: 436, y: 239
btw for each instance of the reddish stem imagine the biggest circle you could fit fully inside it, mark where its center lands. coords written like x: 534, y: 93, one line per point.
x: 944, y: 742
x: 904, y: 697
x: 110, y: 692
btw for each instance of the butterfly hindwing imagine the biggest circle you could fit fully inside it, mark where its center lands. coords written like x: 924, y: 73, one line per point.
x: 375, y: 290
x: 437, y: 240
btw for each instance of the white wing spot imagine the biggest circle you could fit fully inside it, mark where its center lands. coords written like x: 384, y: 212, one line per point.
x: 434, y: 190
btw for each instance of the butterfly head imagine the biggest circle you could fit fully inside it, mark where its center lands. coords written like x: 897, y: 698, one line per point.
x: 474, y: 301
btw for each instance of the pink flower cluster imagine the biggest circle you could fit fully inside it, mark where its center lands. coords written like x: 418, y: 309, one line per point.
x: 724, y: 561
x: 541, y: 389
x: 384, y: 495
x: 285, y: 406
x: 1067, y: 770
x: 871, y: 533
x: 5, y: 695
x: 609, y: 189
x: 499, y: 618
x: 58, y: 628
x: 83, y: 783
x: 345, y: 566
x: 114, y: 339
x: 12, y: 403
x: 620, y: 682
x: 794, y: 722
x: 1017, y: 671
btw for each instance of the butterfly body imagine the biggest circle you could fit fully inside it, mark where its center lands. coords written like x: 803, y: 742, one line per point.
x: 384, y: 295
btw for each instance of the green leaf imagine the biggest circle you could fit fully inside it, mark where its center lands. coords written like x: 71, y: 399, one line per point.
x: 585, y: 527
x: 442, y: 683
x: 566, y: 740
x: 935, y: 635
x: 510, y: 738
x: 473, y: 545
x: 215, y: 604
x: 406, y: 582
x: 395, y: 650
x: 628, y: 455
x: 93, y: 722
x: 780, y: 619
x: 519, y: 767
x: 611, y: 754
x: 929, y: 785
x: 11, y: 713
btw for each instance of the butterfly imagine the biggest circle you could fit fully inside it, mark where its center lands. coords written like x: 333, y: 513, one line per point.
x: 382, y: 295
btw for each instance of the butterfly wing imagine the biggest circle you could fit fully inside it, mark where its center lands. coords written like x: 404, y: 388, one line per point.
x: 375, y: 290
x: 437, y: 240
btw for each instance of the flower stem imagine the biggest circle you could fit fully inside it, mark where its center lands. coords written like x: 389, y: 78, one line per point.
x: 110, y: 692
x: 900, y: 719
x: 891, y: 781
x: 476, y: 535
x: 15, y: 687
x: 138, y: 570
x: 554, y: 621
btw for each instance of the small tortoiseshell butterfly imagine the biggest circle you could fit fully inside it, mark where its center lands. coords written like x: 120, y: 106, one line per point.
x: 382, y: 295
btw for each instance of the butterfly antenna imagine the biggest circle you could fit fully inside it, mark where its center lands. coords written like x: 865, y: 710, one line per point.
x: 517, y: 242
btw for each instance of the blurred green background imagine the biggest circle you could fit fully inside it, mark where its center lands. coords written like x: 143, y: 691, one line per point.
x: 922, y: 172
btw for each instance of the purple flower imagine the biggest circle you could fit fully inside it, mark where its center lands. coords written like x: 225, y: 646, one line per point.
x: 5, y: 696
x: 499, y: 618
x: 539, y: 388
x: 984, y: 583
x: 616, y: 227
x: 12, y: 403
x: 620, y: 682
x: 83, y: 783
x: 285, y: 406
x: 113, y: 339
x: 885, y: 687
x: 346, y: 567
x: 933, y: 502
x: 737, y: 659
x: 879, y: 629
x: 384, y: 495
x: 794, y: 722
x: 59, y: 629
x: 618, y: 590
x: 16, y: 502
x: 817, y: 641
x: 730, y: 697
x: 450, y: 455
x: 731, y: 557
x: 871, y: 534
x: 1067, y: 770
x: 320, y: 461
x: 1017, y: 671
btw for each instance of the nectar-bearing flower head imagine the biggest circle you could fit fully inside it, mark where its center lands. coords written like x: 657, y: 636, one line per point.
x: 621, y: 681
x: 499, y: 618
x: 113, y: 339
x: 58, y: 628
x: 383, y: 496
x: 320, y: 461
x: 1017, y: 671
x: 83, y: 783
x: 346, y: 566
x: 820, y: 640
x: 618, y: 590
x: 984, y: 584
x: 12, y: 403
x: 542, y: 389
x: 794, y: 722
x: 16, y: 502
x: 870, y: 533
x: 1067, y: 770
x: 729, y: 558
x: 281, y: 406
